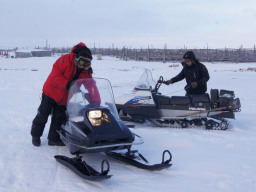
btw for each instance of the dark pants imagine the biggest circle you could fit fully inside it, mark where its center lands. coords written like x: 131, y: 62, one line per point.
x: 48, y: 106
x: 198, y: 90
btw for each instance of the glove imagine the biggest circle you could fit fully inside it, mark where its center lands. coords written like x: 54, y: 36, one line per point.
x: 168, y: 82
x: 69, y: 84
x: 194, y: 84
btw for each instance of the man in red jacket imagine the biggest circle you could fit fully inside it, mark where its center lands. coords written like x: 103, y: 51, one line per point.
x: 66, y: 69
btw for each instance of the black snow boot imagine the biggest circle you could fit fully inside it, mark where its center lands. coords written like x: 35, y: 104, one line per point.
x: 36, y: 141
x: 55, y: 143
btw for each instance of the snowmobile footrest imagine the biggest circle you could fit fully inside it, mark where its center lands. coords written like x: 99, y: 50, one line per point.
x: 79, y: 167
x: 128, y: 159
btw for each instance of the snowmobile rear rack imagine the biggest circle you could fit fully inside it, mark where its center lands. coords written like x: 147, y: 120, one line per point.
x: 130, y: 156
x: 82, y: 169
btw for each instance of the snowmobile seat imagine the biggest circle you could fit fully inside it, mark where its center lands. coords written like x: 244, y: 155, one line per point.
x: 204, y: 98
x: 162, y: 100
x: 200, y: 100
x: 180, y: 100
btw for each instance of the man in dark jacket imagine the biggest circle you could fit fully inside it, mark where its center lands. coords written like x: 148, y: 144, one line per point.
x: 66, y: 69
x: 196, y: 75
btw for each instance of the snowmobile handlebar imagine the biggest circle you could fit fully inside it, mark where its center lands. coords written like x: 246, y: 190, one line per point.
x: 158, y: 84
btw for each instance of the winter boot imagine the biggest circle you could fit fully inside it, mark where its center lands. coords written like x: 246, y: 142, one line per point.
x: 55, y: 143
x: 36, y: 141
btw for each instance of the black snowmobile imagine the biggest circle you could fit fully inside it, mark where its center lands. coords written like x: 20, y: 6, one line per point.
x: 146, y: 103
x: 91, y: 128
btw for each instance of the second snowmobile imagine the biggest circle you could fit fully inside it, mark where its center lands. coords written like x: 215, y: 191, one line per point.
x: 147, y: 103
x: 93, y: 127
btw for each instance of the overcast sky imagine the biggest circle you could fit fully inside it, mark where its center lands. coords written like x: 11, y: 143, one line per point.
x: 130, y: 23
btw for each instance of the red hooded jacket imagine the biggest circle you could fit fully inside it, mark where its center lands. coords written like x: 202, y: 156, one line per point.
x: 62, y: 72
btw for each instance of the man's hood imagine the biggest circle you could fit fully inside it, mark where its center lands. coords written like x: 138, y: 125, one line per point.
x: 76, y: 49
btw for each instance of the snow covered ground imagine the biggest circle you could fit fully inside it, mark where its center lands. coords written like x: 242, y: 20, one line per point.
x: 202, y: 160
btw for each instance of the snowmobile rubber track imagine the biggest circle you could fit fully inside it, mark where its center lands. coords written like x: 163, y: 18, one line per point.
x: 177, y: 123
x: 82, y: 169
x: 131, y: 161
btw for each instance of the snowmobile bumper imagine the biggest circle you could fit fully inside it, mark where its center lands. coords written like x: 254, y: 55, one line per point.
x: 64, y: 135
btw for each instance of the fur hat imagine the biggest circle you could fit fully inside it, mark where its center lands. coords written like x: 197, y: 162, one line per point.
x: 190, y: 55
x: 83, y: 51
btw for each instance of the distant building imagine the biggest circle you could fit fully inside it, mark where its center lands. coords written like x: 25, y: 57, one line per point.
x: 23, y: 54
x: 33, y: 53
x: 41, y: 53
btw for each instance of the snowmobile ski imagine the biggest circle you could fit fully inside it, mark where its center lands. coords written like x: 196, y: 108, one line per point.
x: 82, y: 169
x: 130, y: 158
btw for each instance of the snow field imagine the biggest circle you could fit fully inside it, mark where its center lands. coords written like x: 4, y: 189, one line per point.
x: 202, y: 160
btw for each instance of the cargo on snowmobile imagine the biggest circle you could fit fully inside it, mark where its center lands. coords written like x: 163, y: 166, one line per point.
x: 147, y: 103
x: 91, y: 128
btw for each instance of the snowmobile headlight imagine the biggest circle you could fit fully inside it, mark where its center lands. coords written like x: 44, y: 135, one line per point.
x: 97, y: 117
x: 95, y: 114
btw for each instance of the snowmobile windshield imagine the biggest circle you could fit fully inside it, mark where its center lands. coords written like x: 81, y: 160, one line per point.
x: 90, y: 93
x: 146, y: 81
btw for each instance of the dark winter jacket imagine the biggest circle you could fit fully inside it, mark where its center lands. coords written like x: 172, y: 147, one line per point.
x: 196, y: 72
x: 62, y: 72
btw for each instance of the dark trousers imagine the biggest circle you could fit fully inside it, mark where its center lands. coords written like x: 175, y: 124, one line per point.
x: 48, y: 106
